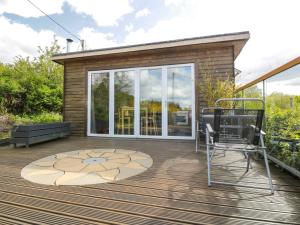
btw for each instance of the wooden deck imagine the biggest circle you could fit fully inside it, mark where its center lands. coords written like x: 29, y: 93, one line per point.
x: 173, y: 191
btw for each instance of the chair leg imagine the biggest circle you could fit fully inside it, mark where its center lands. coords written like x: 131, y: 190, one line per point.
x: 208, y: 165
x: 197, y: 135
x: 268, y: 171
x: 196, y: 141
x: 248, y: 162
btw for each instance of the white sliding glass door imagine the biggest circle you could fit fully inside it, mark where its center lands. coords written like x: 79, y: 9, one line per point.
x: 154, y: 102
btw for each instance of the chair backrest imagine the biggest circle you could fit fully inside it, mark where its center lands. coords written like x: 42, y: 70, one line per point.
x: 207, y: 116
x: 238, y: 125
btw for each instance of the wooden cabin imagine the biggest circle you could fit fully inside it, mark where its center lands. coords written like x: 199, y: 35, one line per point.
x: 147, y: 90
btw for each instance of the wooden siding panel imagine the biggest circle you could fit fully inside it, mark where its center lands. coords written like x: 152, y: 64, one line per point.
x: 218, y: 61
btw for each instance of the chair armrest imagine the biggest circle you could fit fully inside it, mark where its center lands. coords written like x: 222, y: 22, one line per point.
x: 209, y: 128
x: 209, y: 135
x: 261, y: 131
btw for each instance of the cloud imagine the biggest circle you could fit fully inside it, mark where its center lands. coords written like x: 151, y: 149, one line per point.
x: 274, y: 39
x: 174, y: 2
x: 272, y: 24
x: 105, y: 13
x: 25, y: 9
x: 173, y: 28
x: 96, y: 39
x: 142, y: 13
x: 13, y: 44
x: 129, y: 27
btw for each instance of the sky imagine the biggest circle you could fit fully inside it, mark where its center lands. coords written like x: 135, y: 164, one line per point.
x: 273, y: 26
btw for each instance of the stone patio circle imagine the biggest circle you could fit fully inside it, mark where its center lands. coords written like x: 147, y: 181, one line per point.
x: 85, y: 167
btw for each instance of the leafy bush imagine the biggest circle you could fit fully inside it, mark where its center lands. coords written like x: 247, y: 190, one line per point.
x: 32, y: 87
x: 31, y: 91
x: 283, y: 129
x: 282, y: 123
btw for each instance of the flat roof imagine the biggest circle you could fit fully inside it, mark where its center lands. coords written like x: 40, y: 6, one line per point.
x: 271, y: 73
x: 238, y: 40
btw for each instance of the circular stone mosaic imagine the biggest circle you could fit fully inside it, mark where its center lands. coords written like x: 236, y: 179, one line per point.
x: 87, y: 167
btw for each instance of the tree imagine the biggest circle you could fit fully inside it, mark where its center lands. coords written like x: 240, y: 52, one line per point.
x: 32, y: 86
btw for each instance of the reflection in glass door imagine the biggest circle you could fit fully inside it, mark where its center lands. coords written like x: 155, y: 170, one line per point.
x: 99, y: 103
x: 180, y: 100
x: 142, y: 102
x: 151, y: 102
x: 124, y: 102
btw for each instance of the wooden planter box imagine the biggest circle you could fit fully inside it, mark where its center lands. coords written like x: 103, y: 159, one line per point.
x: 36, y: 133
x: 5, y: 141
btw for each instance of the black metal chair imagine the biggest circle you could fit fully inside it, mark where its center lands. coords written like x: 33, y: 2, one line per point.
x: 237, y: 130
x: 206, y: 116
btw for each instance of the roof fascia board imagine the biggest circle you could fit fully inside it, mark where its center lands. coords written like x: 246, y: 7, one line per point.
x: 152, y: 46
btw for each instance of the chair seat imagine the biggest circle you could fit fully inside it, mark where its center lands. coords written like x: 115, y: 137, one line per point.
x: 235, y: 146
x: 234, y: 140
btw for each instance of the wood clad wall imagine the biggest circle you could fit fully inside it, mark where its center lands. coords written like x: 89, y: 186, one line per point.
x: 219, y: 60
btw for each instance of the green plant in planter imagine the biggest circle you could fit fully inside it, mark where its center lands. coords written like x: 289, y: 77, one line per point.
x: 213, y: 88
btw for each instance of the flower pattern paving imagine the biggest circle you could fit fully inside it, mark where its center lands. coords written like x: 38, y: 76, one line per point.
x: 87, y: 167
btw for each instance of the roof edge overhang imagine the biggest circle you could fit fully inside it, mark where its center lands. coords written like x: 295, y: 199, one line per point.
x: 271, y: 73
x: 238, y: 40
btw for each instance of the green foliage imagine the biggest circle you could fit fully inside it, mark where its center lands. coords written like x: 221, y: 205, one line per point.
x: 282, y: 123
x: 32, y: 87
x: 284, y: 154
x: 31, y: 91
x: 214, y: 89
x: 282, y: 120
x: 254, y: 91
x: 283, y: 128
x: 44, y: 117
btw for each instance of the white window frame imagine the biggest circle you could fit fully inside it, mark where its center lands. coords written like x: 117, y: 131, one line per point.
x: 137, y: 70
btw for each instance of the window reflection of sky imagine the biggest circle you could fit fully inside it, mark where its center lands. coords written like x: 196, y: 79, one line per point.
x: 150, y: 85
x: 179, y: 86
x: 286, y: 82
x: 98, y: 78
x: 124, y: 81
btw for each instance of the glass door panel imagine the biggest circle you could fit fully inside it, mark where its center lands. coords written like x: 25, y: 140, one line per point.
x: 179, y: 100
x: 99, y: 113
x: 151, y: 102
x: 124, y: 102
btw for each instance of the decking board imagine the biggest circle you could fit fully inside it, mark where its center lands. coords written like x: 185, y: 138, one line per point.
x: 173, y: 191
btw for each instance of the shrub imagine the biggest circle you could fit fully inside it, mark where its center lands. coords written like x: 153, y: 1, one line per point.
x: 32, y: 86
x: 214, y: 89
x: 44, y: 117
